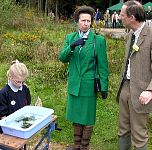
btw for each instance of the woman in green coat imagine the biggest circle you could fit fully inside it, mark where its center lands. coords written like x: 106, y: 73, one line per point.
x: 79, y: 52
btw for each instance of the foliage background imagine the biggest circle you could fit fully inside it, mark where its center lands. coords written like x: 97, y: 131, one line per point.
x: 36, y: 40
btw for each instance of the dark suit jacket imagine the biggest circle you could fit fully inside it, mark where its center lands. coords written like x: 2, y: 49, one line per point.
x: 140, y: 69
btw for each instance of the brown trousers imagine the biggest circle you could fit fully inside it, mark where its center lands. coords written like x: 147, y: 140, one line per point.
x: 131, y: 124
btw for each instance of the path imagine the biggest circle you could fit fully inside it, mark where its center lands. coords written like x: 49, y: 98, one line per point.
x: 114, y: 33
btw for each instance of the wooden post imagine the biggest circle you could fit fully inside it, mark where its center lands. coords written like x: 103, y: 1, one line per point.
x: 110, y: 2
x: 56, y: 11
x: 38, y: 6
x: 29, y: 4
x: 46, y: 6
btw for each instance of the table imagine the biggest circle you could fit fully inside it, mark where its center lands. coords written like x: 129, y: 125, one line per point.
x: 8, y: 142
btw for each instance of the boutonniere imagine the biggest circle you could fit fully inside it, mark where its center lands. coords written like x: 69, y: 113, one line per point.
x: 135, y: 48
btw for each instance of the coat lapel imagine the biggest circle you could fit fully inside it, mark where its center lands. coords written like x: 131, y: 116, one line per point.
x: 141, y: 38
x: 87, y: 51
x: 143, y: 33
x: 86, y: 48
x: 128, y: 46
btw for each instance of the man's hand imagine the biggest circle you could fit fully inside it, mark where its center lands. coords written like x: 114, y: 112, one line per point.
x: 145, y: 97
x: 77, y: 43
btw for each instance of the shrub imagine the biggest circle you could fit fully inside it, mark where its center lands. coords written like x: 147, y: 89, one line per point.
x: 7, y: 13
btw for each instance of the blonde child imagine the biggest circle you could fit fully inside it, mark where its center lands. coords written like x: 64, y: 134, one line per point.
x: 15, y: 94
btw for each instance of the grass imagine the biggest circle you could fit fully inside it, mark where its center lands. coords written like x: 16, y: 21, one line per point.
x: 48, y: 76
x: 45, y: 82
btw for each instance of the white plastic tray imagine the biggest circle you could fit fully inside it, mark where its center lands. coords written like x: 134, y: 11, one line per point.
x: 13, y: 124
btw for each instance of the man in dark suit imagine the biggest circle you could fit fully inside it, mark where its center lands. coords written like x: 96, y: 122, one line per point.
x: 135, y: 90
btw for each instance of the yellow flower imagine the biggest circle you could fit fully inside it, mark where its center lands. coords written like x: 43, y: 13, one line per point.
x: 135, y: 48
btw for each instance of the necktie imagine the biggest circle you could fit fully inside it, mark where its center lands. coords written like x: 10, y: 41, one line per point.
x: 129, y: 54
x: 131, y: 44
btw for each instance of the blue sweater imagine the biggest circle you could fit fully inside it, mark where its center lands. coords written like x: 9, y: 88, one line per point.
x: 11, y: 101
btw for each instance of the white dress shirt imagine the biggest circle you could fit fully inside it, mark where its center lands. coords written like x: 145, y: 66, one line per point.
x: 137, y: 33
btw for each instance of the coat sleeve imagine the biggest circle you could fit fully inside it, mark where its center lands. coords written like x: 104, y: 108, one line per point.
x: 102, y: 62
x: 149, y: 88
x: 66, y: 53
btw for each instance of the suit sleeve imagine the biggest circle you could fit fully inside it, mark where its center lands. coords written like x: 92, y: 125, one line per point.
x: 102, y: 62
x: 149, y: 88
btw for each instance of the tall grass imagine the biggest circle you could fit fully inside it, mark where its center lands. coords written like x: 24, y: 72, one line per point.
x: 36, y: 41
x: 48, y: 79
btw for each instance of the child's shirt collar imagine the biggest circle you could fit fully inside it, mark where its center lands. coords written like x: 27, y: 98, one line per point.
x: 15, y: 89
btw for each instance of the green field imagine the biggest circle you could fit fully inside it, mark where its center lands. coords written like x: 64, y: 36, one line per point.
x: 36, y: 41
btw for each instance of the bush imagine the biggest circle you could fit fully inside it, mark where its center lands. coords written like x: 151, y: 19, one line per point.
x: 7, y: 13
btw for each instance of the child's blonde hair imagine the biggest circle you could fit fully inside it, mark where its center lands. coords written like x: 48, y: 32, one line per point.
x: 17, y: 69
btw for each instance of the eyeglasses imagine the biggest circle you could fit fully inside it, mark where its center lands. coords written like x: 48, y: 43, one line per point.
x: 17, y: 82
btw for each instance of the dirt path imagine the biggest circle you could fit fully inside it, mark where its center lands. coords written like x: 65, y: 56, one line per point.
x: 115, y: 30
x: 114, y: 33
x: 57, y: 146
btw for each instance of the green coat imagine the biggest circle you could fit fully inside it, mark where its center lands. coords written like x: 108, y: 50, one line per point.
x: 81, y: 104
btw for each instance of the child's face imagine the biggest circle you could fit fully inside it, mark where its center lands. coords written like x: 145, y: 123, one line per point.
x: 17, y: 81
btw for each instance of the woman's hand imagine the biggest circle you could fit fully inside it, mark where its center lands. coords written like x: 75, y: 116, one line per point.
x: 77, y: 43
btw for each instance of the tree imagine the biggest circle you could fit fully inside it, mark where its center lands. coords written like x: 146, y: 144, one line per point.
x: 65, y: 7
